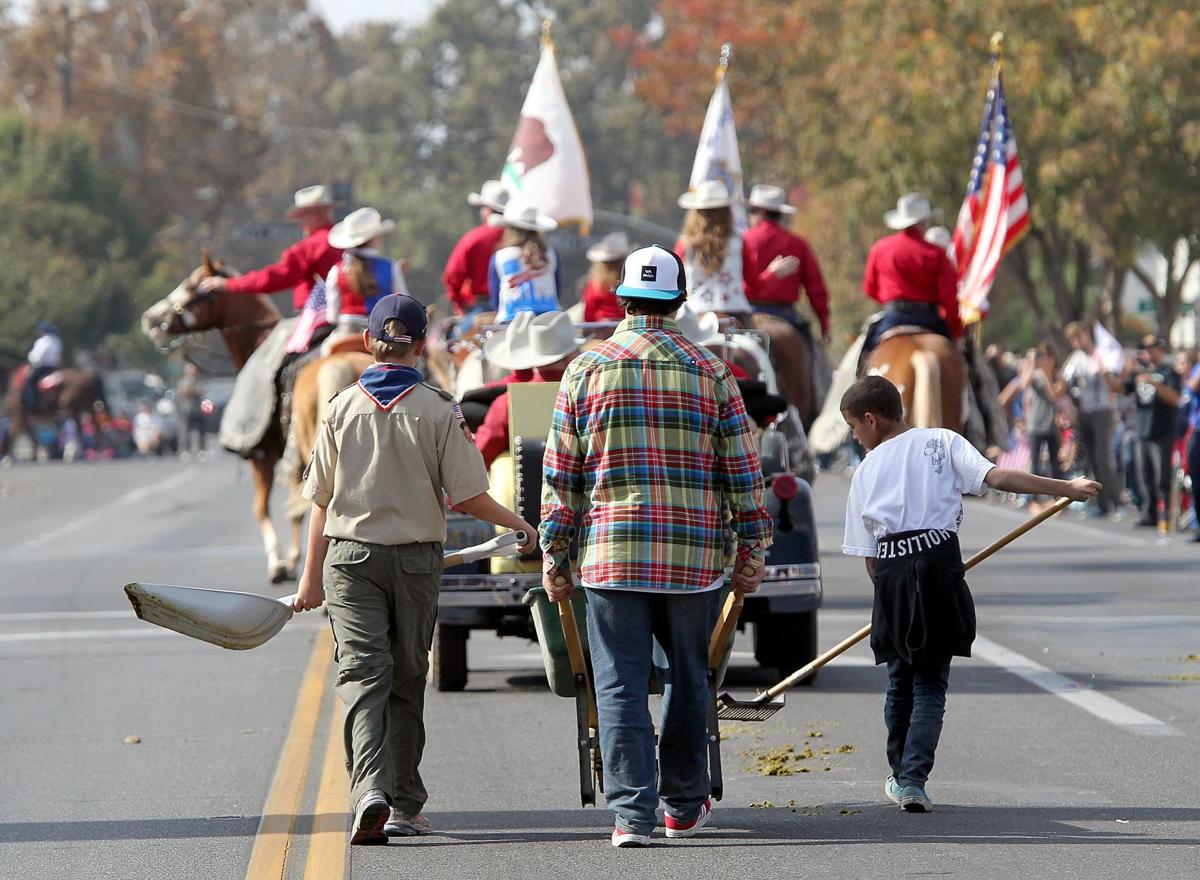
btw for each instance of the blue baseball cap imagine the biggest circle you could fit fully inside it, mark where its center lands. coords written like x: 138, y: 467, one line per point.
x: 398, y: 307
x: 652, y: 273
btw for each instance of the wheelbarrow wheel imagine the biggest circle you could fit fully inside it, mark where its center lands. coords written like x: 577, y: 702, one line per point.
x: 448, y: 657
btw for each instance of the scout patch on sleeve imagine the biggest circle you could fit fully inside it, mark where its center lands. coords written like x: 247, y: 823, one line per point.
x: 462, y: 422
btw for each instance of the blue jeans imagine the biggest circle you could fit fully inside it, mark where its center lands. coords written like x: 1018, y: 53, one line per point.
x: 930, y: 320
x: 913, y: 710
x: 622, y: 629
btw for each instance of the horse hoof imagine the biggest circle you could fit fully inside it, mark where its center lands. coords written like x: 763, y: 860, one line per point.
x: 279, y: 575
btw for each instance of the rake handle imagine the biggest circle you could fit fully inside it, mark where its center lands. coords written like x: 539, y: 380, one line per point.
x: 852, y: 640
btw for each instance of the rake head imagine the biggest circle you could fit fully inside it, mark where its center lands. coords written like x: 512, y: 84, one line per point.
x: 760, y: 708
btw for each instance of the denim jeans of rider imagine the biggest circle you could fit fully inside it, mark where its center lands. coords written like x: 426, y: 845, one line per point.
x: 913, y: 711
x: 622, y: 629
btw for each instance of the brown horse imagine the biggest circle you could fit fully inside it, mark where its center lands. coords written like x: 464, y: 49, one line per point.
x: 73, y: 391
x: 790, y: 356
x: 244, y: 322
x: 929, y: 372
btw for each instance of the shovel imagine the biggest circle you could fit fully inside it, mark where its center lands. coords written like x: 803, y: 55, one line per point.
x: 240, y: 621
x: 770, y: 701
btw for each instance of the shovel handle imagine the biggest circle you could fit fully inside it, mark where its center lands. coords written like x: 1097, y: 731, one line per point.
x: 852, y: 640
x: 726, y: 624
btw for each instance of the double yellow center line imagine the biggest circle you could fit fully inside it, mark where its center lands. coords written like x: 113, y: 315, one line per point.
x: 269, y: 860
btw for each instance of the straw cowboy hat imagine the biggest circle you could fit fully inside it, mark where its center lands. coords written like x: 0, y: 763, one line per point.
x: 911, y: 209
x: 358, y: 228
x: 532, y: 341
x: 310, y: 197
x: 701, y: 328
x: 493, y: 194
x: 614, y: 246
x: 709, y: 194
x: 521, y: 213
x: 770, y: 198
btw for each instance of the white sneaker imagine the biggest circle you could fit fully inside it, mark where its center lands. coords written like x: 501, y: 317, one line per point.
x: 370, y: 816
x: 403, y: 825
x: 623, y: 839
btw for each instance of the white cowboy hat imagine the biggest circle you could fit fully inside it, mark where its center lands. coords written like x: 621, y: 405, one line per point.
x: 939, y: 235
x: 911, y: 208
x: 709, y: 194
x: 493, y: 194
x: 701, y: 328
x: 311, y: 197
x: 614, y: 246
x: 358, y: 228
x: 521, y: 213
x: 770, y: 198
x: 532, y: 341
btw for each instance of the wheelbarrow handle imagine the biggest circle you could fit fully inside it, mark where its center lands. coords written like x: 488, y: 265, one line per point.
x: 566, y: 616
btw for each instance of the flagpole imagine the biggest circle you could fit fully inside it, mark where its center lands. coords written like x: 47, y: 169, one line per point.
x: 723, y: 62
x: 548, y: 40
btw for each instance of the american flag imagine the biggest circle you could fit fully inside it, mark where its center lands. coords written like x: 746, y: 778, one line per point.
x: 995, y: 212
x: 311, y: 317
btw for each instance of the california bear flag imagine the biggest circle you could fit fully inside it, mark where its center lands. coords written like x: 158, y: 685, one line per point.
x: 545, y: 161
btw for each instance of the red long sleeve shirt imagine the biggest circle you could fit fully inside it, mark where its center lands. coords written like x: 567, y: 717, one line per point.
x: 904, y: 266
x: 466, y: 274
x: 600, y: 303
x: 762, y: 243
x: 298, y: 267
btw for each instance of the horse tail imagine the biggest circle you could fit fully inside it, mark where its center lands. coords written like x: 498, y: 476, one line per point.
x: 927, y: 390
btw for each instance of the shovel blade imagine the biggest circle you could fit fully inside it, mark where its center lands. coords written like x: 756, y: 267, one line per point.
x: 229, y: 619
x: 731, y: 709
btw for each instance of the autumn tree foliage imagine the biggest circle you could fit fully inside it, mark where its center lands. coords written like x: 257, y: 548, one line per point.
x: 852, y: 102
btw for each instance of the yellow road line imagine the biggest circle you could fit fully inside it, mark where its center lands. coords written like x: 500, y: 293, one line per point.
x: 268, y: 859
x: 331, y: 827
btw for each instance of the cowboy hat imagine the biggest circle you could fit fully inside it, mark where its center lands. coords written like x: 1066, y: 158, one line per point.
x: 532, y: 341
x: 614, y: 246
x: 709, y: 194
x: 493, y: 194
x: 939, y: 235
x: 911, y: 209
x: 701, y: 328
x: 521, y: 213
x: 310, y: 197
x: 770, y: 198
x: 358, y: 228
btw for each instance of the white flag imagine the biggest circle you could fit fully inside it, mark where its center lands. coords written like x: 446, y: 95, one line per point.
x: 545, y: 161
x: 717, y: 156
x: 1108, y: 351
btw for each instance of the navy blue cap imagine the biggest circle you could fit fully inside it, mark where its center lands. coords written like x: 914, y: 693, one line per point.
x: 398, y: 307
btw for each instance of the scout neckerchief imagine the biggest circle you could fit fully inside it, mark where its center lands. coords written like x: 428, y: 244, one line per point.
x: 387, y: 383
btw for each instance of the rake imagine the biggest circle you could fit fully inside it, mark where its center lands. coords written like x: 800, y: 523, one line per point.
x: 770, y: 701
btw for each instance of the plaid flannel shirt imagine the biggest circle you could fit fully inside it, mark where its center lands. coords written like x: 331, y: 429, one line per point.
x: 651, y: 431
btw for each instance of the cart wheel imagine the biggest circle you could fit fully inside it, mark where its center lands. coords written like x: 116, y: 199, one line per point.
x: 448, y: 658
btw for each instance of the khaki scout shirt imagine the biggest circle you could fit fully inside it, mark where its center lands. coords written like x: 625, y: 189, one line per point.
x: 381, y: 474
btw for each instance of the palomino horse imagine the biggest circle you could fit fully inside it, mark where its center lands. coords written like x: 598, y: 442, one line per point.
x: 929, y: 372
x: 73, y: 391
x: 244, y: 321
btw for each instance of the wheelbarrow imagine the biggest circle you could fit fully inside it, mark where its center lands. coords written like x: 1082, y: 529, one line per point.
x: 562, y: 634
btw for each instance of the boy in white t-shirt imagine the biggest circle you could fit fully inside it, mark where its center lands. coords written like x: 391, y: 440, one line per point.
x: 903, y: 514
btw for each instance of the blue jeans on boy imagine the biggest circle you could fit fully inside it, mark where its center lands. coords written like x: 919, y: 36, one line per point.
x: 913, y: 710
x: 622, y: 628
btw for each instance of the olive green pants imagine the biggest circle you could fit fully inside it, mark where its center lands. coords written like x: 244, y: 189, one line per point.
x: 382, y: 607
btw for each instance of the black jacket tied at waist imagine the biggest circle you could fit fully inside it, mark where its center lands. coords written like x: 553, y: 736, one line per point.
x: 923, y: 610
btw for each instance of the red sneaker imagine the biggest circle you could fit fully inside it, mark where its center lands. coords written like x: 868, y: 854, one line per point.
x: 622, y: 838
x: 676, y: 828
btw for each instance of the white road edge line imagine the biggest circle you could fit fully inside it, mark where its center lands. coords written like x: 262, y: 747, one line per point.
x: 1102, y: 706
x: 18, y: 616
x: 130, y: 497
x: 125, y: 633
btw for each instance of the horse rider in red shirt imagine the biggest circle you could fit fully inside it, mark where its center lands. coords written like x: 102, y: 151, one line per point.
x: 542, y: 343
x: 766, y: 244
x: 606, y: 256
x: 913, y: 278
x: 466, y: 273
x: 302, y: 264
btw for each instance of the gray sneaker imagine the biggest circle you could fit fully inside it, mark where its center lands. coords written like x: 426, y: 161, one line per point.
x: 406, y: 825
x: 914, y: 800
x: 891, y: 790
x: 370, y: 815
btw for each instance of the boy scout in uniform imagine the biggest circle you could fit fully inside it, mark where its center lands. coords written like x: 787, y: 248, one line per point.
x: 392, y: 445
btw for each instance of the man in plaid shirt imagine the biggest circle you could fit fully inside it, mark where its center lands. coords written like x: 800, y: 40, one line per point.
x: 651, y: 435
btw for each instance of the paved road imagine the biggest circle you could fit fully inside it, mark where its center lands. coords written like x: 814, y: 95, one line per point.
x: 1069, y: 750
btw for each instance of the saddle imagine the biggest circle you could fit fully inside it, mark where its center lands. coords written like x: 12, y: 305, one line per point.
x: 253, y: 407
x: 50, y: 381
x: 904, y: 330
